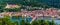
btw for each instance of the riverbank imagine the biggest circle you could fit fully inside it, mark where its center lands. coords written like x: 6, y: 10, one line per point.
x: 7, y: 20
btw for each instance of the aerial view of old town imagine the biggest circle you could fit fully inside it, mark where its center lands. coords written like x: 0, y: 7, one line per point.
x: 29, y: 12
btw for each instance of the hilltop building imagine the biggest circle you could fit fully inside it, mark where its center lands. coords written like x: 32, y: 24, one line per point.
x: 12, y: 6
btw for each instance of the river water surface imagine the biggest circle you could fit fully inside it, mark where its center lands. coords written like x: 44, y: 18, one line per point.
x: 29, y: 20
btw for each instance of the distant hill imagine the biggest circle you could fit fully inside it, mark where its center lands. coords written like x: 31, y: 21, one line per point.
x: 54, y: 3
x: 48, y: 3
x: 33, y: 3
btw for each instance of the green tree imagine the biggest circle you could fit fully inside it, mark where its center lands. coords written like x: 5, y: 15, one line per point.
x: 46, y: 23
x: 53, y: 23
x: 34, y: 23
x: 59, y: 24
x: 1, y: 21
x: 22, y: 22
x: 27, y: 23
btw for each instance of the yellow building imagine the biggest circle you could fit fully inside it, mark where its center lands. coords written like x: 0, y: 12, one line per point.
x: 12, y: 6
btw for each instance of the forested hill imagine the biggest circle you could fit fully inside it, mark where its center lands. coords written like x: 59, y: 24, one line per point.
x: 54, y: 3
x: 42, y: 3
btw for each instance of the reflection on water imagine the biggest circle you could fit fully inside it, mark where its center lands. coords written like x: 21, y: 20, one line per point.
x: 19, y: 20
x: 29, y: 19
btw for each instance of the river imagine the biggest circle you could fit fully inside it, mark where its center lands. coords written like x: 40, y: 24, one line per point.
x: 29, y: 20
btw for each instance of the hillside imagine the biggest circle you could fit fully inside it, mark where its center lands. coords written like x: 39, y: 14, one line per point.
x: 33, y: 3
x: 48, y: 3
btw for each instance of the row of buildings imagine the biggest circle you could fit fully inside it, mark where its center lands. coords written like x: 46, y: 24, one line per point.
x: 52, y: 12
